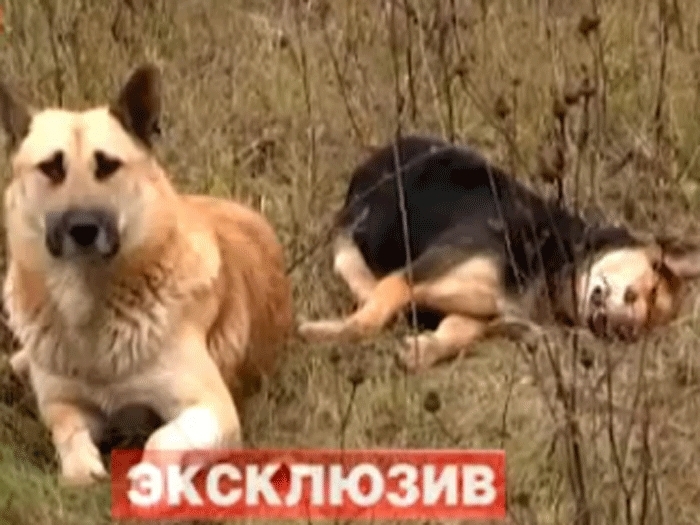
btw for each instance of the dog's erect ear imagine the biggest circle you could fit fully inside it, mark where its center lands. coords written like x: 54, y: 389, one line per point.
x: 15, y: 114
x: 681, y: 257
x: 137, y: 106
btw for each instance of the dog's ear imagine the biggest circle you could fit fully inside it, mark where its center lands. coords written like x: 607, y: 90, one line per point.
x: 15, y: 114
x: 681, y: 257
x: 138, y: 104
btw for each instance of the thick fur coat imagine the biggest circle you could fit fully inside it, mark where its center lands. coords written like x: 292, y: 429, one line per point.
x: 487, y: 254
x: 122, y: 291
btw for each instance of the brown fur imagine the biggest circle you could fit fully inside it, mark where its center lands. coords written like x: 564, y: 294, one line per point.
x: 647, y: 288
x: 247, y: 241
x: 193, y: 307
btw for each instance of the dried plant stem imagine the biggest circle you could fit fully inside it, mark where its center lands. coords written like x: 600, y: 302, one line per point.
x: 399, y: 105
x: 304, y: 62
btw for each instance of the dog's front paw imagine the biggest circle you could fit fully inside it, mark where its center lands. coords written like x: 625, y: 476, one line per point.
x: 418, y: 353
x: 167, y: 445
x: 320, y: 331
x: 168, y: 437
x: 174, y: 444
x: 81, y: 467
x: 19, y: 364
x: 515, y: 328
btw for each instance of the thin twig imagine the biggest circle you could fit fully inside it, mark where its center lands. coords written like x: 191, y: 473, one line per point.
x: 340, y: 79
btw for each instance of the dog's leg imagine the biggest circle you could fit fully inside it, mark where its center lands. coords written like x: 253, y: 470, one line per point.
x: 72, y: 429
x: 388, y: 298
x: 454, y: 334
x: 515, y: 328
x: 19, y: 363
x: 350, y: 265
x: 197, y: 404
x: 469, y: 296
x: 208, y: 422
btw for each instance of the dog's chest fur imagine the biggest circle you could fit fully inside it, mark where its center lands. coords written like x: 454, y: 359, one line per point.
x: 94, y: 327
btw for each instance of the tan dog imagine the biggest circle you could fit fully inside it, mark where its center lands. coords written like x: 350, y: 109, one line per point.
x: 122, y: 291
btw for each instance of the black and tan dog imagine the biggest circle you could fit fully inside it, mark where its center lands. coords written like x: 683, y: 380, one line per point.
x: 487, y: 251
x: 124, y: 292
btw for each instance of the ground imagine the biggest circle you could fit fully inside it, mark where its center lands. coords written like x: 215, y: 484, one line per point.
x: 272, y: 102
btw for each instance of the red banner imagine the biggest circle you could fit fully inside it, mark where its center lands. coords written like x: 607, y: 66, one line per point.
x: 309, y: 484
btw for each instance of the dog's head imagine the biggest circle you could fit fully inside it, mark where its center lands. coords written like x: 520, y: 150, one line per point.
x: 627, y: 292
x: 85, y: 184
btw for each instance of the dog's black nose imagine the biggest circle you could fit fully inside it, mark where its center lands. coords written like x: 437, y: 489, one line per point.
x: 84, y: 234
x: 80, y: 231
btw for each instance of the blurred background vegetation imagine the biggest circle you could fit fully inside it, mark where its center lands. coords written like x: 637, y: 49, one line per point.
x: 273, y: 102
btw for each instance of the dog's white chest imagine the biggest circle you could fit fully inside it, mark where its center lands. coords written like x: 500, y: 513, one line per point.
x: 81, y: 334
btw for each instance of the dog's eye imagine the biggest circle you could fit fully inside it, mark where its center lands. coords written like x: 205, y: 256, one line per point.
x: 597, y: 298
x: 105, y: 166
x: 54, y: 168
x: 631, y: 295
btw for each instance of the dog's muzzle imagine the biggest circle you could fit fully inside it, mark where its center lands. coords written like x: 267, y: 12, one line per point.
x: 607, y: 326
x: 82, y: 232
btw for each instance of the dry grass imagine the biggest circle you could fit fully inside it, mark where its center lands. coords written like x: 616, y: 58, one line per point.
x: 274, y: 101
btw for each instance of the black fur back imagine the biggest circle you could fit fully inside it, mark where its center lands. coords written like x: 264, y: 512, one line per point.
x: 457, y: 205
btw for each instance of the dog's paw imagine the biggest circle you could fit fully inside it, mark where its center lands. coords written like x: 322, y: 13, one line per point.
x: 19, y: 364
x: 167, y: 445
x: 175, y: 444
x: 320, y: 331
x: 418, y: 353
x: 516, y: 329
x: 82, y: 467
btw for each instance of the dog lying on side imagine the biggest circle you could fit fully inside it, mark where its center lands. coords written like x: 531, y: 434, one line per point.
x: 121, y: 291
x: 487, y: 251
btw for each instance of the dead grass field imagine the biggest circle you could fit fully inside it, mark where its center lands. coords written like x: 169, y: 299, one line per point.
x: 274, y: 101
